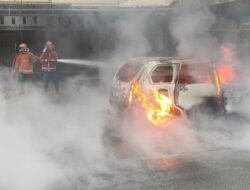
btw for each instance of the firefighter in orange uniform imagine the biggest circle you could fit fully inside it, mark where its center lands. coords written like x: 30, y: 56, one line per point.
x: 24, y: 63
x: 49, y: 60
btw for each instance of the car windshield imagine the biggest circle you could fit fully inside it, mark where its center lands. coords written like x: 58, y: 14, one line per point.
x: 128, y: 71
x: 194, y: 74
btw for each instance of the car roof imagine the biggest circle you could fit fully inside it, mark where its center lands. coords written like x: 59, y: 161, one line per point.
x: 170, y: 60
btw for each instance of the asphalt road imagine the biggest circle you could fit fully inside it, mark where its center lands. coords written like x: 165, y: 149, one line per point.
x: 211, y: 168
x: 216, y: 169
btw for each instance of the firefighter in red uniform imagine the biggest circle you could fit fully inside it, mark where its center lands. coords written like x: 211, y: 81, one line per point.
x: 24, y: 63
x: 49, y: 60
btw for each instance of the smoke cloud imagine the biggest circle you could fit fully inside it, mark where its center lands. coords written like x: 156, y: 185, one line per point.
x: 55, y: 141
x: 193, y: 26
x: 190, y: 25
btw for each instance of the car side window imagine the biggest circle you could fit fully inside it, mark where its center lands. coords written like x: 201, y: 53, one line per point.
x: 194, y: 74
x: 128, y: 72
x: 162, y: 74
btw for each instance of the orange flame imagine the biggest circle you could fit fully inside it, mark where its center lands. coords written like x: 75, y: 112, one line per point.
x: 217, y: 83
x: 157, y: 108
x: 223, y: 75
x: 227, y: 53
x: 226, y: 73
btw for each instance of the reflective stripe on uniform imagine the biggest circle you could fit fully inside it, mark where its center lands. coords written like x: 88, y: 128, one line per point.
x: 26, y: 71
x: 50, y: 68
x: 24, y: 61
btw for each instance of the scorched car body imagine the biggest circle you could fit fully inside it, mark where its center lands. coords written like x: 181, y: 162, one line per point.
x: 191, y: 84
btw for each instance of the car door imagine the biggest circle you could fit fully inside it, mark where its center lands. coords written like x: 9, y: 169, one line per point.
x: 160, y: 77
x: 121, y: 84
x: 194, y: 85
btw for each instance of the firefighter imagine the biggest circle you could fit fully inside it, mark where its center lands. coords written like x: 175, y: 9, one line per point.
x: 24, y: 63
x: 49, y: 61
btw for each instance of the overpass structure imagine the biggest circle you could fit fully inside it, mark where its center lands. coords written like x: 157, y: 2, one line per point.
x: 46, y: 14
x: 28, y: 15
x: 85, y: 23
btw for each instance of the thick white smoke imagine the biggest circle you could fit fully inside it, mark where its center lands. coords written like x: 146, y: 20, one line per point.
x: 45, y: 136
x: 50, y: 141
x: 148, y: 141
x: 132, y: 36
x: 48, y: 138
x: 192, y: 27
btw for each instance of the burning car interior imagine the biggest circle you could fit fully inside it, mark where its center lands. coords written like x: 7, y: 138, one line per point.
x: 162, y: 74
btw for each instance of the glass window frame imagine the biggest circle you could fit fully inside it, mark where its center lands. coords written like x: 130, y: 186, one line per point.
x: 160, y: 65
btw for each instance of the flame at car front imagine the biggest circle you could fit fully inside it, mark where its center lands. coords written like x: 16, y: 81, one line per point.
x: 157, y: 107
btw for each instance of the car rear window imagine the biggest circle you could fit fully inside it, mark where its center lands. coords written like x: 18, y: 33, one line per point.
x: 128, y: 72
x: 194, y: 74
x: 162, y: 74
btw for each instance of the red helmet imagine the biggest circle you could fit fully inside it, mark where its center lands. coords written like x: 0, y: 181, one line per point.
x: 49, y: 44
x: 23, y: 45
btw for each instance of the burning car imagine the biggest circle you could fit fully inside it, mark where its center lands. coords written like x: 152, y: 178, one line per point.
x: 167, y: 87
